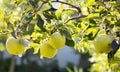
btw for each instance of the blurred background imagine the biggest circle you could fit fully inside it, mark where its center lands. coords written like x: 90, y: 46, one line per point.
x: 66, y: 60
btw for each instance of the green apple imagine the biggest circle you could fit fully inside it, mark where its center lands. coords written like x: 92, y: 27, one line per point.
x: 57, y: 40
x: 46, y: 50
x: 102, y: 43
x: 15, y: 46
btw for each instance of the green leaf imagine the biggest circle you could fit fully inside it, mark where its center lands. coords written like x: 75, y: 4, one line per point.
x: 49, y: 14
x: 102, y: 31
x: 35, y: 46
x: 58, y: 14
x: 29, y: 15
x: 66, y: 33
x: 18, y: 2
x: 30, y: 28
x: 91, y: 33
x: 1, y: 14
x: 68, y: 69
x: 92, y: 22
x: 2, y: 48
x: 84, y: 10
x: 70, y: 43
x: 32, y: 3
x: 89, y: 2
x: 93, y: 15
x: 51, y: 9
x: 40, y: 23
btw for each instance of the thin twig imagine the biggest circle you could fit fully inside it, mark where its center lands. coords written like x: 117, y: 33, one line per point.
x: 81, y: 16
x: 40, y: 6
x: 61, y: 3
x: 69, y: 5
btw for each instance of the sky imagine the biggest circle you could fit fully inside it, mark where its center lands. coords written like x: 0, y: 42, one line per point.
x: 67, y: 54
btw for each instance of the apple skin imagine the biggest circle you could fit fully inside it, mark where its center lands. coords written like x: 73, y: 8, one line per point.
x: 46, y: 50
x: 102, y: 43
x: 57, y: 40
x: 15, y: 46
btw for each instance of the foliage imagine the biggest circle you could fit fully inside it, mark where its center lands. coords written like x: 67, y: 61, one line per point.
x: 79, y: 20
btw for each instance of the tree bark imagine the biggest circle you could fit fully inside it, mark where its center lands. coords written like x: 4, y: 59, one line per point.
x: 1, y: 55
x: 12, y: 65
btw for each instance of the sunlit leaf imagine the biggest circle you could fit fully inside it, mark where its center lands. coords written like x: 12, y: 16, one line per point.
x: 90, y: 2
x: 18, y: 2
x: 102, y: 31
x: 1, y: 14
x: 95, y: 15
x: 2, y: 47
x: 68, y: 69
x: 35, y: 46
x: 58, y: 14
x: 84, y: 10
